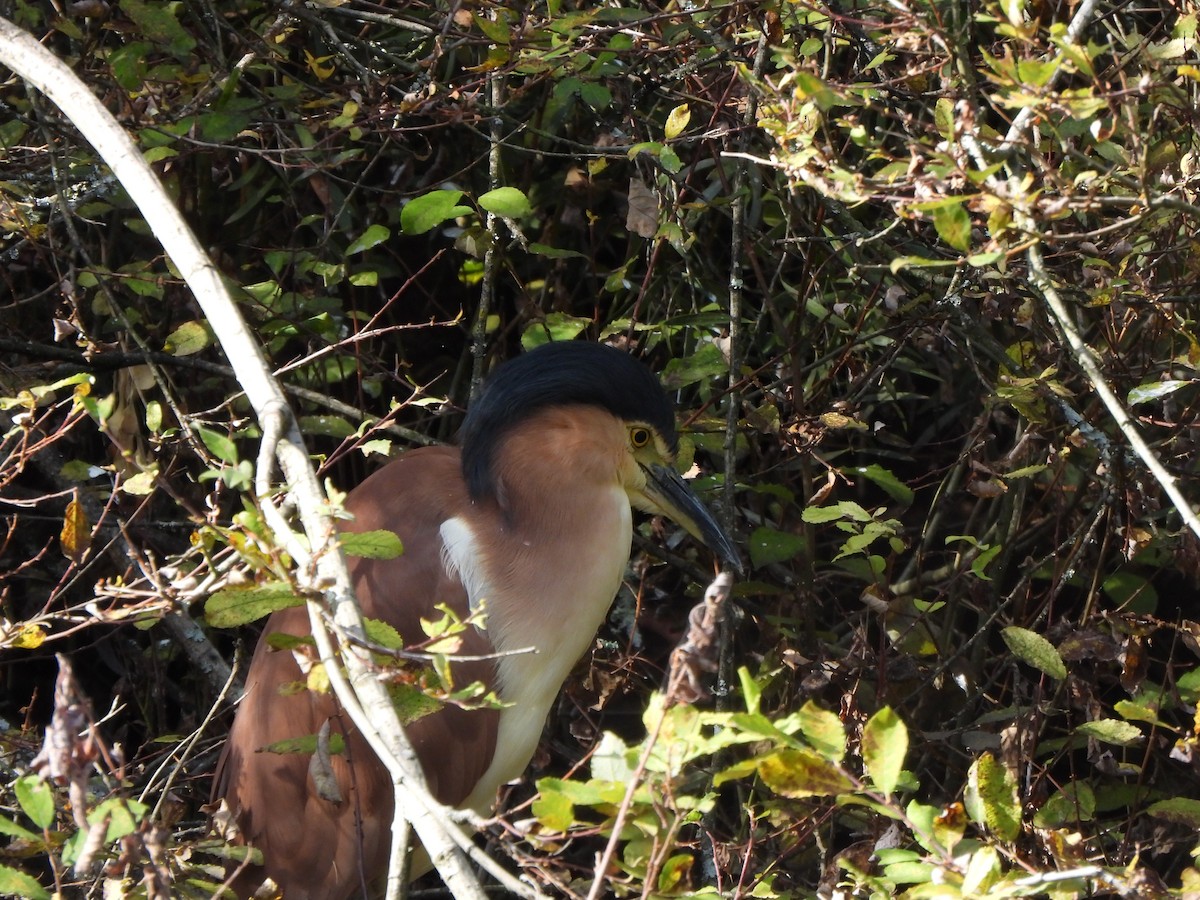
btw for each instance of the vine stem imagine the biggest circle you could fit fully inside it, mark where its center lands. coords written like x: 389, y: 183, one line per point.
x: 635, y: 782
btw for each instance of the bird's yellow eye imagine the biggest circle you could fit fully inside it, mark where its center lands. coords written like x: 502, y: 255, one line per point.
x: 639, y: 437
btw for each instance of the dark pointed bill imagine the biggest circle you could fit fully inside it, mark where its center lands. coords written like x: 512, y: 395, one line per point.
x: 670, y: 494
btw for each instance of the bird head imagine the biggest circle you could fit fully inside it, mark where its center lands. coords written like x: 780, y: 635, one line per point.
x: 582, y: 373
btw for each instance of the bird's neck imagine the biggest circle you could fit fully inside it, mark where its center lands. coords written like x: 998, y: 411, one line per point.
x: 560, y: 584
x: 557, y: 548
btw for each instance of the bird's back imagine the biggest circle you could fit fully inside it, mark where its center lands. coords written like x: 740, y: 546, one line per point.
x: 315, y: 847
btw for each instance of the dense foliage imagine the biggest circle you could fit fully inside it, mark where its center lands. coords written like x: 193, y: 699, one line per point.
x: 888, y: 256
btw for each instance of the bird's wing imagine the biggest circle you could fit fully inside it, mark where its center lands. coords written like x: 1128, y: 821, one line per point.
x: 315, y: 846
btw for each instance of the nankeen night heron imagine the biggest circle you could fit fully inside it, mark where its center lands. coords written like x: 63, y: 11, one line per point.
x: 533, y: 517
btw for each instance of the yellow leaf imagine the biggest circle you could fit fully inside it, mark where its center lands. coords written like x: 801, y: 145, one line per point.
x: 318, y: 679
x: 30, y: 637
x: 76, y: 535
x: 142, y: 483
x: 317, y: 67
x: 802, y: 773
x: 677, y: 121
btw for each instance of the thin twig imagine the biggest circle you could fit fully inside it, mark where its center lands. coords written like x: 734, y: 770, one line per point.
x: 695, y: 652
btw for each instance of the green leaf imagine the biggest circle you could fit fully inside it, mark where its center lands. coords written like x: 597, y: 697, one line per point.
x: 412, y: 703
x: 593, y: 792
x: 383, y: 634
x: 919, y: 262
x: 1180, y: 810
x: 306, y: 744
x: 986, y: 553
x: 943, y: 117
x: 610, y: 761
x: 1139, y: 713
x: 121, y: 815
x: 739, y: 771
x: 158, y: 154
x: 667, y: 157
x: 810, y: 87
x: 706, y: 363
x: 555, y: 252
x: 922, y: 818
x: 823, y: 730
x: 1034, y: 650
x: 1132, y: 592
x: 188, y: 338
x: 1026, y: 472
x: 991, y: 798
x: 595, y: 95
x: 1154, y: 390
x: 497, y: 30
x: 154, y: 416
x: 1111, y: 731
x: 380, y: 445
x: 506, y: 201
x: 884, y: 745
x: 223, y: 124
x: 983, y: 260
x: 1075, y: 803
x: 751, y: 690
x: 327, y: 426
x: 984, y: 868
x: 909, y: 871
x: 14, y: 883
x: 158, y: 22
x: 428, y: 211
x: 1037, y: 72
x: 556, y: 326
x: 1172, y: 49
x: 553, y: 809
x: 802, y: 773
x: 1014, y: 11
x: 372, y: 237
x: 980, y: 563
x: 895, y: 488
x: 953, y: 226
x: 128, y: 64
x: 36, y: 798
x: 944, y: 824
x: 45, y: 393
x: 237, y: 606
x: 768, y: 546
x: 381, y: 544
x: 1188, y: 685
x: 78, y: 470
x: 673, y: 872
x: 219, y: 445
x: 278, y: 640
x: 12, y: 829
x: 846, y: 509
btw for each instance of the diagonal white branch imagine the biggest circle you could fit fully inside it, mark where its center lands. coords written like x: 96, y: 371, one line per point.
x: 1083, y: 354
x: 321, y: 570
